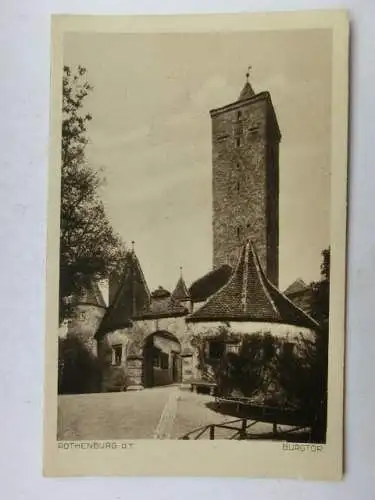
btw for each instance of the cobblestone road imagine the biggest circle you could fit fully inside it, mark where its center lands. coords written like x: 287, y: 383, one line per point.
x: 157, y: 413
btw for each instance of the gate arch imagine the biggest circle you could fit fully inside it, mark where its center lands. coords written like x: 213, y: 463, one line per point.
x: 161, y: 359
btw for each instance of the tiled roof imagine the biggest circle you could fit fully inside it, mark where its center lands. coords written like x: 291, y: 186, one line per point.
x: 160, y: 292
x: 249, y: 296
x: 163, y: 307
x: 297, y: 286
x: 181, y: 292
x: 132, y: 297
x: 210, y: 283
x: 87, y: 292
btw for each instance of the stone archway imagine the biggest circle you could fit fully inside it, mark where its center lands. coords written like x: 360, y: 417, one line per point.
x: 161, y: 358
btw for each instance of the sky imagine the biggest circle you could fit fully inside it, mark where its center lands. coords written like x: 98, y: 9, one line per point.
x: 150, y: 136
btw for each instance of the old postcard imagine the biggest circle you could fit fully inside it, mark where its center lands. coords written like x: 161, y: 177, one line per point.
x: 196, y: 245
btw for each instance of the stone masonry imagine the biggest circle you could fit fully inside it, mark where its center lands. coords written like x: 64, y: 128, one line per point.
x: 245, y: 160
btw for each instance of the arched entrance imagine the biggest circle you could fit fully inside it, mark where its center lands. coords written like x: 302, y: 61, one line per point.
x: 161, y: 360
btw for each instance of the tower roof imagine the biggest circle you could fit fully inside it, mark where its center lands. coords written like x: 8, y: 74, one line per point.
x: 88, y: 292
x: 249, y: 296
x: 181, y: 292
x: 246, y: 92
x: 210, y: 283
x: 297, y: 286
x: 132, y: 298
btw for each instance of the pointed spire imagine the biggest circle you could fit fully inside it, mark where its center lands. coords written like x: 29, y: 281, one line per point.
x: 247, y: 90
x: 181, y: 292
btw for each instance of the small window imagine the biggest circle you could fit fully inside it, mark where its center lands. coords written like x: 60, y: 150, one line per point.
x: 164, y: 361
x: 82, y: 316
x: 238, y: 186
x: 216, y: 350
x: 161, y: 360
x: 233, y: 348
x: 288, y: 349
x: 239, y: 115
x: 238, y: 141
x: 238, y: 166
x: 238, y: 230
x: 117, y: 354
x: 156, y: 361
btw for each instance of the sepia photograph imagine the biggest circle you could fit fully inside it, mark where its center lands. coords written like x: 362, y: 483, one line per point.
x: 193, y: 254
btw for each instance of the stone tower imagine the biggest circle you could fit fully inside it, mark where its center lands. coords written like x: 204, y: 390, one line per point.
x: 245, y: 162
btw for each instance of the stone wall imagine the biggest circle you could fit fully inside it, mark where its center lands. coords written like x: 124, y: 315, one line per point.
x: 133, y: 341
x: 84, y: 323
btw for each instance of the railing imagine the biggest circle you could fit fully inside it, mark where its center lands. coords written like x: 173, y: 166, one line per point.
x: 241, y: 427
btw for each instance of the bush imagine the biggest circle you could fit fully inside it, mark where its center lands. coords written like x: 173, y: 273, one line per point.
x: 79, y: 370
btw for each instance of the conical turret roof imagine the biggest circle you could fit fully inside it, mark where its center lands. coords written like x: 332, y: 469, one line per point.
x: 132, y: 298
x: 246, y: 92
x: 250, y: 296
x: 88, y: 292
x: 181, y: 292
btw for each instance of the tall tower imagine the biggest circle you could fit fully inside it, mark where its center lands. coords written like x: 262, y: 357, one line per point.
x: 245, y: 163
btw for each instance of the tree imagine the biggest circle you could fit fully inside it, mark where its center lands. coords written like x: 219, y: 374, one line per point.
x: 88, y: 244
x: 320, y: 289
x: 305, y: 377
x: 79, y: 370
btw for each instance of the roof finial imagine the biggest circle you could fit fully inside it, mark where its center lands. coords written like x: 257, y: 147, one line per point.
x: 248, y: 73
x: 181, y: 271
x: 133, y: 242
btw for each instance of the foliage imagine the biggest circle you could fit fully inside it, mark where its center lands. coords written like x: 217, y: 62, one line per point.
x: 88, y: 244
x: 320, y: 296
x: 79, y: 370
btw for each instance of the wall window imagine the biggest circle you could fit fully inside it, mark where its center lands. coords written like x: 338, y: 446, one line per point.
x: 238, y: 186
x: 216, y: 350
x: 164, y: 361
x: 288, y: 348
x: 117, y: 354
x: 239, y: 115
x: 233, y: 348
x: 161, y: 360
x: 156, y: 361
x: 238, y: 231
x: 238, y: 141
